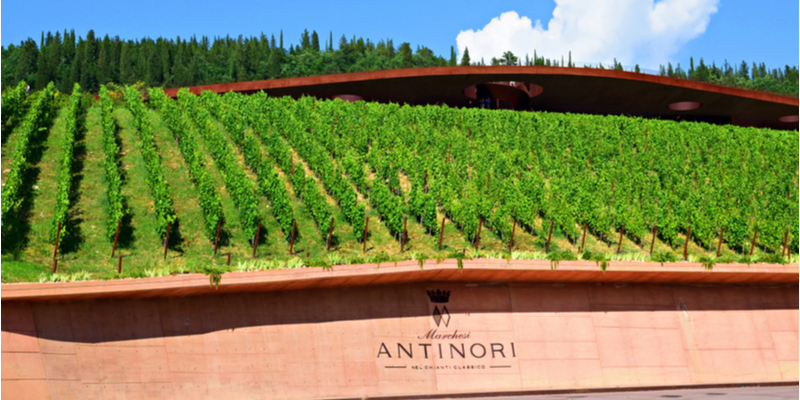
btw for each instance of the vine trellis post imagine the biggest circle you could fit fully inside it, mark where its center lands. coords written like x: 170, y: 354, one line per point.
x: 441, y: 233
x: 686, y: 243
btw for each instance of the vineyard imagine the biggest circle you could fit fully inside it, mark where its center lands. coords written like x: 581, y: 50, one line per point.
x: 210, y: 183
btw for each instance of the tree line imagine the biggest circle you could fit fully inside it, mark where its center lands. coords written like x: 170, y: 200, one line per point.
x: 66, y: 59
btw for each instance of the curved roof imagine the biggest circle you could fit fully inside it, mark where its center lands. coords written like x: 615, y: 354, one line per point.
x: 576, y: 90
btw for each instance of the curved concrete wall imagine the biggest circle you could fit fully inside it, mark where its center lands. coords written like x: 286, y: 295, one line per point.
x: 398, y: 339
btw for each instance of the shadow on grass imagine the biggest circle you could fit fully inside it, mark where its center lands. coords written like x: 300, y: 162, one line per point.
x: 73, y: 238
x: 175, y: 237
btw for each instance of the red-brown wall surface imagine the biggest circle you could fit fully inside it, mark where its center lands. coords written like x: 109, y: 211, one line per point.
x: 343, y: 342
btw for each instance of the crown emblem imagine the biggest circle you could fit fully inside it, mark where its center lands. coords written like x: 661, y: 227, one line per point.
x: 439, y: 296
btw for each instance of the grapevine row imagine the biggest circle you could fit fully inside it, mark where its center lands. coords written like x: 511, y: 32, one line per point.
x: 37, y: 119
x: 116, y: 208
x: 12, y: 103
x: 65, y: 170
x: 164, y: 211
x: 180, y: 127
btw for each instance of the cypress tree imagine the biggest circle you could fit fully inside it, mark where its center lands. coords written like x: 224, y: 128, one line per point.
x: 64, y: 63
x: 315, y: 41
x: 54, y: 56
x: 103, y: 65
x: 152, y: 65
x: 360, y: 47
x: 88, y: 77
x: 42, y: 69
x: 452, y: 61
x: 77, y: 61
x: 405, y: 55
x: 465, y: 58
x: 743, y: 71
x: 274, y: 63
x: 26, y: 66
x: 107, y: 63
x: 305, y: 40
x: 390, y: 47
x: 126, y: 68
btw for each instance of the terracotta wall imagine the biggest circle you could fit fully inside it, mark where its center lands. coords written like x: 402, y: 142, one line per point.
x: 359, y: 341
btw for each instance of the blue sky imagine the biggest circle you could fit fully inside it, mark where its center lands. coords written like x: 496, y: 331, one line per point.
x: 716, y: 30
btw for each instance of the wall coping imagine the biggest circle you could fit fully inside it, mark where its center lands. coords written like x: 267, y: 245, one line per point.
x: 478, y: 271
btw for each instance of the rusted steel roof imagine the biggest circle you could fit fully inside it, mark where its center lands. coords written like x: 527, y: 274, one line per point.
x: 575, y: 90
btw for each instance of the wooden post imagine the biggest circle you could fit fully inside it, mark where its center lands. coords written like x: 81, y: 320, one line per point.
x: 166, y: 241
x: 294, y: 232
x: 441, y: 233
x: 255, y: 242
x: 583, y: 238
x: 229, y: 258
x: 55, y: 248
x: 216, y: 241
x: 513, y: 229
x: 686, y: 244
x: 719, y: 246
x: 785, y: 241
x: 119, y: 265
x: 753, y: 245
x: 611, y: 200
x: 366, y: 226
x: 621, y: 235
x: 655, y: 232
x: 549, y: 235
x: 330, y: 234
x: 403, y: 238
x: 116, y: 236
x: 478, y: 239
x: 58, y: 234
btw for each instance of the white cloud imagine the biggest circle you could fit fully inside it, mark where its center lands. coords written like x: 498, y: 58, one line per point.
x: 632, y: 31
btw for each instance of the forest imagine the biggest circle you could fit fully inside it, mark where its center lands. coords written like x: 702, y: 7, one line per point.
x: 91, y: 61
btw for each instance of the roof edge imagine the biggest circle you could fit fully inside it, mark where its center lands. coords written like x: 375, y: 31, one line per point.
x: 487, y: 71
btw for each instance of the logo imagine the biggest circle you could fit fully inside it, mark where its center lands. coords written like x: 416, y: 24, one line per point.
x: 440, y: 316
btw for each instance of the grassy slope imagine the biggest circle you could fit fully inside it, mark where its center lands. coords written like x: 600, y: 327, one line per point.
x: 89, y: 248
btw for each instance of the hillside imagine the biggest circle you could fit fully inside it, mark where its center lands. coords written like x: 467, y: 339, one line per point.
x: 561, y: 185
